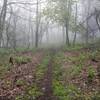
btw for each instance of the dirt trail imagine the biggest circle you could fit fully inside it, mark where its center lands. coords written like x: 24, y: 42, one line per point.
x: 8, y: 87
x: 47, y: 81
x: 47, y: 85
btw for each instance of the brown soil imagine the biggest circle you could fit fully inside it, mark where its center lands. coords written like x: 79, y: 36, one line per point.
x: 46, y: 83
x: 8, y: 87
x: 81, y: 80
x: 26, y: 72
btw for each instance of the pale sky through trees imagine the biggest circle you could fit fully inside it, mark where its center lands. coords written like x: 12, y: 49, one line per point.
x: 24, y: 11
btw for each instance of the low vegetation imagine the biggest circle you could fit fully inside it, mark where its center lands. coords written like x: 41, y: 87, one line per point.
x: 42, y: 67
x: 75, y: 74
x: 21, y: 59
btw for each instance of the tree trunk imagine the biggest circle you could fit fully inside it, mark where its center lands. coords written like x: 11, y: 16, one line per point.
x: 98, y: 19
x: 2, y: 19
x: 67, y: 35
x: 87, y: 34
x: 74, y: 40
x: 87, y: 23
x: 37, y: 25
x: 69, y: 4
x: 63, y: 32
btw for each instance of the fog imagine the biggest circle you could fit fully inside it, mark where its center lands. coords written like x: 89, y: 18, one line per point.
x: 30, y: 23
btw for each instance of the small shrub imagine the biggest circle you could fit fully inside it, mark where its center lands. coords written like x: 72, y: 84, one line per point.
x: 34, y: 92
x: 69, y: 92
x: 22, y: 60
x: 41, y: 68
x: 19, y: 97
x: 76, y: 70
x: 93, y: 55
x: 20, y: 82
x: 96, y: 96
x: 91, y: 74
x: 73, y: 48
x: 59, y: 89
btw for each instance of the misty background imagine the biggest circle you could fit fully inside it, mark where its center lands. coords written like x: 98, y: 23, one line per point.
x: 36, y: 23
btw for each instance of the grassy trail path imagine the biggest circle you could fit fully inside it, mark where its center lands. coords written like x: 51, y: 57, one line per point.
x: 48, y: 80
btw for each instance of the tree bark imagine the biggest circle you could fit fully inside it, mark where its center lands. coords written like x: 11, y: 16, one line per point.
x: 67, y: 35
x: 37, y: 25
x: 74, y: 40
x: 2, y: 19
x: 87, y: 23
x: 98, y: 19
x: 67, y: 23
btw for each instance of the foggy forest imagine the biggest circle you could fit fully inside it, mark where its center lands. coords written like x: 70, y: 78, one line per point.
x: 49, y: 49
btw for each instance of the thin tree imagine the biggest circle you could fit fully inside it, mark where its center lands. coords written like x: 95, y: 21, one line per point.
x: 37, y: 24
x: 74, y: 40
x: 2, y: 19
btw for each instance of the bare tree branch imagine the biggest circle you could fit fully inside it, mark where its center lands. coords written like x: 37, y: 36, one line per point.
x: 25, y: 3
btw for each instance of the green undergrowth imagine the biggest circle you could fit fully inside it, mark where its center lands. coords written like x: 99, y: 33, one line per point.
x: 6, y: 53
x: 42, y: 67
x: 4, y: 62
x: 26, y: 50
x: 76, y: 63
x: 91, y: 74
x: 66, y: 90
x: 22, y: 59
x: 95, y: 55
x: 4, y: 59
x: 20, y: 82
x: 4, y: 67
x: 17, y: 50
x: 73, y: 48
x: 32, y: 92
x: 60, y: 89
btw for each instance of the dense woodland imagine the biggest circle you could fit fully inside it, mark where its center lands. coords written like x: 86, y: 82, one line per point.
x: 49, y: 49
x: 34, y: 23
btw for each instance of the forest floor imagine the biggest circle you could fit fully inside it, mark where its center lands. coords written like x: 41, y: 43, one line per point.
x: 53, y: 74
